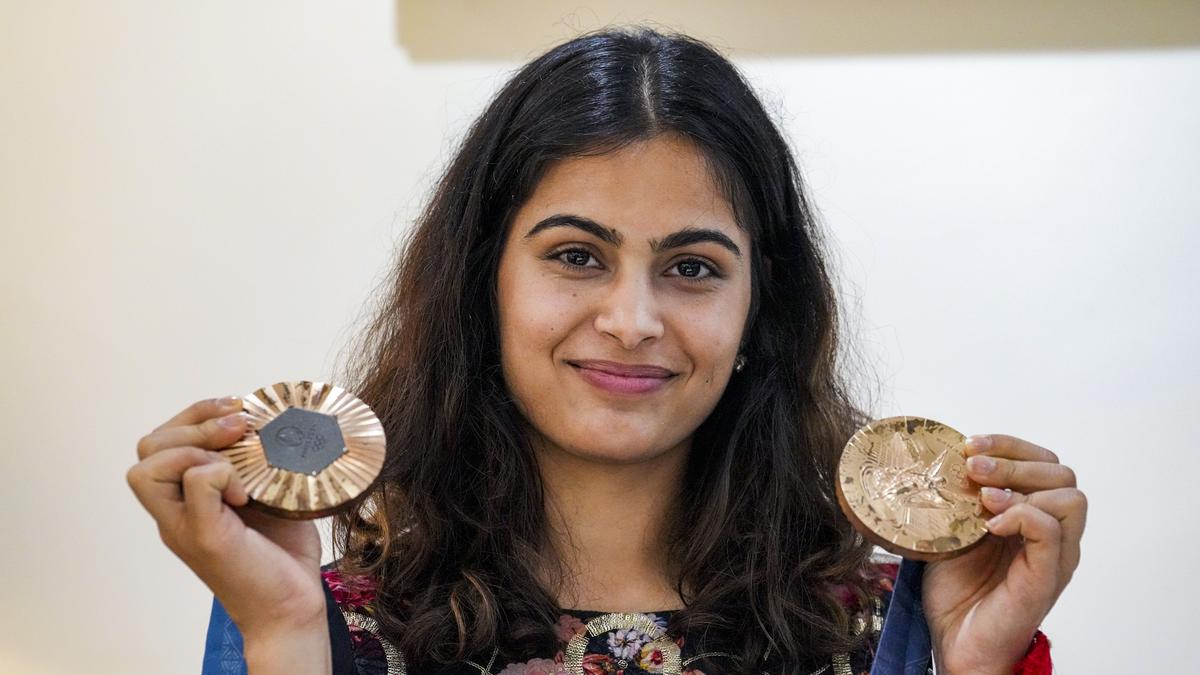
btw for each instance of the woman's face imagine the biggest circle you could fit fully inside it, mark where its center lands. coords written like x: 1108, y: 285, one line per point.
x: 623, y: 290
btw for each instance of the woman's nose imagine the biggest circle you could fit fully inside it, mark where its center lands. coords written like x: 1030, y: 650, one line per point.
x: 629, y: 312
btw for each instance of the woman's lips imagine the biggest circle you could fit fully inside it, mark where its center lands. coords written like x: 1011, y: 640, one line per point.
x: 621, y: 379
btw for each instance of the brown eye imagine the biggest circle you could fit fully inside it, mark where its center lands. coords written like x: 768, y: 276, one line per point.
x: 694, y: 269
x: 576, y: 257
x: 573, y: 258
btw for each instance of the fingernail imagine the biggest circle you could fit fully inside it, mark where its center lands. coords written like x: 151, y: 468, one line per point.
x: 226, y: 401
x: 981, y: 465
x: 978, y: 443
x: 996, y: 495
x: 230, y: 421
x: 995, y: 520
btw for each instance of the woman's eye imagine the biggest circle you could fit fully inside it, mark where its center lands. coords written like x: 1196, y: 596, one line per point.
x: 692, y: 269
x: 573, y: 257
x: 695, y: 270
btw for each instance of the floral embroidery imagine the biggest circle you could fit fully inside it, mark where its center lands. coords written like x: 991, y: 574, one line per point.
x: 568, y: 627
x: 627, y: 643
x: 622, y: 651
x: 599, y: 664
x: 651, y: 658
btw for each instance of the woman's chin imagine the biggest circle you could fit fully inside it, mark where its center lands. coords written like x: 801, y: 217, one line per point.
x: 616, y: 451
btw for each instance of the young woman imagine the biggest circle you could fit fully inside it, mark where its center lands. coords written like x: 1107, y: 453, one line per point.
x: 607, y: 369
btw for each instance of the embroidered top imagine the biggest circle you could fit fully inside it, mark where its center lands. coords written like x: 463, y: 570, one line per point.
x: 588, y: 643
x: 596, y: 643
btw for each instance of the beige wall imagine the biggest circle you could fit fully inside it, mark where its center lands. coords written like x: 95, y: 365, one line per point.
x: 197, y: 197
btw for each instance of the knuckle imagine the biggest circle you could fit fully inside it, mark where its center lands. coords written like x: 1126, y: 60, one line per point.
x: 193, y: 479
x: 134, y: 476
x: 1052, y: 525
x: 1021, y: 509
x: 1051, y: 456
x: 197, y: 457
x: 1077, y: 500
x: 145, y: 446
x: 197, y: 433
x: 212, y: 427
x: 999, y: 443
x: 196, y: 472
x: 1068, y: 475
x: 1007, y: 469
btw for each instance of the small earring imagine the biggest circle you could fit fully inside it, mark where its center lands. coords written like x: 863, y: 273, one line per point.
x: 739, y: 364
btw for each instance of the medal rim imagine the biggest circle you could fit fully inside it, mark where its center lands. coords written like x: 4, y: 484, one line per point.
x: 267, y: 485
x: 871, y: 534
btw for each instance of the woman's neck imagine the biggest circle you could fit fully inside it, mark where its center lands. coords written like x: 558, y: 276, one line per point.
x: 607, y: 527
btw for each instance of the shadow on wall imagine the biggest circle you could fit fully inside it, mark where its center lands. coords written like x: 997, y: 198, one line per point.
x: 515, y: 30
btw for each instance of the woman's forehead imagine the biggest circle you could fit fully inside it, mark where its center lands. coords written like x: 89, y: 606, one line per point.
x: 644, y: 190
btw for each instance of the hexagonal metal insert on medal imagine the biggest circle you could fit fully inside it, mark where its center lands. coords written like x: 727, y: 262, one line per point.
x: 304, y: 441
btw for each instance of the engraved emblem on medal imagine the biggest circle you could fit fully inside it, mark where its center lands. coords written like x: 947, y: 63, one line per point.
x: 902, y: 482
x: 310, y: 449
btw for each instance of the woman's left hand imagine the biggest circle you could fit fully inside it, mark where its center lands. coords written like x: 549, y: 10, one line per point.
x: 984, y: 606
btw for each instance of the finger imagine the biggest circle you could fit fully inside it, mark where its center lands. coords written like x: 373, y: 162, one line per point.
x: 157, y: 480
x: 1042, y: 534
x: 206, y: 488
x: 1024, y: 476
x: 202, y: 410
x: 1001, y: 445
x: 212, y: 434
x: 1067, y: 505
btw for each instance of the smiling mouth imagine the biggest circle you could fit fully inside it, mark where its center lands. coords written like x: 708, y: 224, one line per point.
x: 621, y: 378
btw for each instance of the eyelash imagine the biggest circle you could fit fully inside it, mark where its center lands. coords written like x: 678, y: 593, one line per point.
x: 713, y: 272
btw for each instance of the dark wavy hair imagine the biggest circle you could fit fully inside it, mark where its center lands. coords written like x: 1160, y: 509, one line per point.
x: 455, y: 530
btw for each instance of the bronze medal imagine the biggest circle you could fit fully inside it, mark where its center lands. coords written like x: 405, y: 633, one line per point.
x: 310, y: 449
x: 902, y: 482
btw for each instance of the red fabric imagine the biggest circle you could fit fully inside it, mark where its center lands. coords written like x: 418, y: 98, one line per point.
x: 352, y: 591
x: 1037, y: 658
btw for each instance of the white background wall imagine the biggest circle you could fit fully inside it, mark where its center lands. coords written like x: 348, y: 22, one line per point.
x: 179, y: 182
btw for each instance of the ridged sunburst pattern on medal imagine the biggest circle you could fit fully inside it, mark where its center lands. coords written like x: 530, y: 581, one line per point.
x: 300, y: 495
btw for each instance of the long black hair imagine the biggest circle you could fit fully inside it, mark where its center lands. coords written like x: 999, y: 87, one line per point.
x: 456, y: 529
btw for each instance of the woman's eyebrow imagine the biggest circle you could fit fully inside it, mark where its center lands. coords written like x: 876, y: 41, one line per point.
x: 692, y: 235
x: 605, y: 234
x: 689, y: 235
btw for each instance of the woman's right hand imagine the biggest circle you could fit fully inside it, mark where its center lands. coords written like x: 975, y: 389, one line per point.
x: 266, y: 571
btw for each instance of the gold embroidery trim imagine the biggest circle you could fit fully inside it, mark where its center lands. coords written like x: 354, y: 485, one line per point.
x: 576, y: 648
x: 841, y: 664
x: 395, y: 660
x: 705, y: 655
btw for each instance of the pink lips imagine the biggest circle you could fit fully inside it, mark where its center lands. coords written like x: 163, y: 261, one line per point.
x: 623, y: 378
